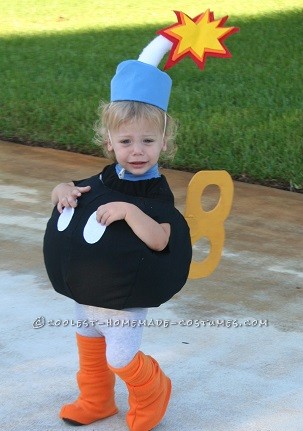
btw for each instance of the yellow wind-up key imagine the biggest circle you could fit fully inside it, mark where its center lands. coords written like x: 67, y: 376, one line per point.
x: 209, y: 224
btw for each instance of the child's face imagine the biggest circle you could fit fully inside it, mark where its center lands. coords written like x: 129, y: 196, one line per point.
x: 137, y: 145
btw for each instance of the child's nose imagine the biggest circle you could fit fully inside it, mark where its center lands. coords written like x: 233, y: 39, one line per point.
x: 138, y: 148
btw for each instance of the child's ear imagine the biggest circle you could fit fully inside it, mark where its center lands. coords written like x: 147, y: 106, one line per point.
x: 108, y: 143
x: 164, y: 147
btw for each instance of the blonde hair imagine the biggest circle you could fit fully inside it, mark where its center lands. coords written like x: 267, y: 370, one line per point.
x: 113, y: 115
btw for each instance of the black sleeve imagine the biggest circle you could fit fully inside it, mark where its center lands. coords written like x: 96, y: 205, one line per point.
x: 77, y: 182
x: 86, y: 181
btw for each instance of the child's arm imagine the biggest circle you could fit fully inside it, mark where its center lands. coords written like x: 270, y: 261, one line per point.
x: 155, y: 235
x: 65, y: 195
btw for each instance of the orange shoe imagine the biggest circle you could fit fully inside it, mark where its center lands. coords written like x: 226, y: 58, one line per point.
x: 149, y: 392
x: 96, y: 383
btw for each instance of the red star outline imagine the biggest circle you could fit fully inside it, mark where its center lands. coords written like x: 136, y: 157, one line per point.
x: 224, y: 53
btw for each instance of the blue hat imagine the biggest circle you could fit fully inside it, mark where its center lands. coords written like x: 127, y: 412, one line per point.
x: 141, y: 82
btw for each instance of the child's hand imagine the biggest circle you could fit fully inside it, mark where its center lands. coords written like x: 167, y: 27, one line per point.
x: 113, y: 211
x: 66, y: 195
x: 155, y: 235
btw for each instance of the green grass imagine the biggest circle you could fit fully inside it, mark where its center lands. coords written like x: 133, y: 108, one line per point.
x: 242, y: 114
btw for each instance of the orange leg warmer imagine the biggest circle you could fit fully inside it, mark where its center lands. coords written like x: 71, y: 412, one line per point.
x: 96, y: 383
x: 149, y: 392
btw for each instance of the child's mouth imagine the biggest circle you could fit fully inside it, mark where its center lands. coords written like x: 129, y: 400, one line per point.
x: 138, y: 164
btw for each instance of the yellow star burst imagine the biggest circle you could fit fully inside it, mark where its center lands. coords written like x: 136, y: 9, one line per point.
x: 197, y: 38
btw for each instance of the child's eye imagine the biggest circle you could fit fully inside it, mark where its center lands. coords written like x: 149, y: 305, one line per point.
x: 125, y: 141
x: 148, y: 141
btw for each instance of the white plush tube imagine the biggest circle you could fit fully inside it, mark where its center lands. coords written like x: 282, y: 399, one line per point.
x: 155, y: 51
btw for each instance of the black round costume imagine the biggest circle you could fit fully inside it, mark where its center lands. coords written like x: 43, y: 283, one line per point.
x: 118, y: 271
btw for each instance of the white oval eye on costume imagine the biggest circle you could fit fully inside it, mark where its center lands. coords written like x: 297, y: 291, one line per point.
x: 93, y: 230
x: 65, y: 218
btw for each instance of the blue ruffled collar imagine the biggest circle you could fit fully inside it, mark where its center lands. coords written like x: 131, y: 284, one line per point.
x: 125, y: 175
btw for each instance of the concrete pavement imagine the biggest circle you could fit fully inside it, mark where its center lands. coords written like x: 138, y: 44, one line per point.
x: 232, y: 343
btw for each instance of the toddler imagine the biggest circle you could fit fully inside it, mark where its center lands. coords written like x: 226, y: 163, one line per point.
x: 116, y: 245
